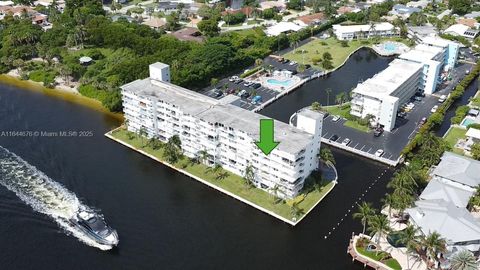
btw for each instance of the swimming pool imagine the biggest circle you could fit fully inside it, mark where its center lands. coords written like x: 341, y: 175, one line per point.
x: 281, y: 83
x: 390, y: 47
x: 468, y: 121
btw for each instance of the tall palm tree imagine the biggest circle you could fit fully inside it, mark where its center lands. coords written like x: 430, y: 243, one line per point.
x: 464, y: 260
x: 173, y: 149
x: 296, y: 211
x: 328, y: 91
x: 388, y: 201
x: 142, y: 132
x: 434, y: 244
x: 364, y: 213
x: 379, y: 226
x: 203, y: 156
x: 249, y: 175
x: 411, y: 239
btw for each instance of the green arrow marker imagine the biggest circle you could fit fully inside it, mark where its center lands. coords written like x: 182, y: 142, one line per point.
x: 267, y: 142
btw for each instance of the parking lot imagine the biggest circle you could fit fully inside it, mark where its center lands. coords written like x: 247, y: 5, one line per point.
x: 392, y: 143
x: 229, y: 87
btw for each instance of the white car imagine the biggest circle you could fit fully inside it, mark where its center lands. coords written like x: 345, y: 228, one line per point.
x: 233, y: 78
x: 379, y: 153
x: 434, y: 109
x: 293, y: 63
x: 346, y: 141
x: 442, y: 98
x: 335, y: 118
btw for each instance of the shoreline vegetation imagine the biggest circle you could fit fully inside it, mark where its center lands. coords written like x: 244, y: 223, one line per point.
x: 291, y: 211
x: 59, y: 93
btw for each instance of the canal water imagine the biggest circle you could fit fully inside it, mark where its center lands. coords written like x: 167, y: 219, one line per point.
x: 164, y: 219
x: 362, y: 65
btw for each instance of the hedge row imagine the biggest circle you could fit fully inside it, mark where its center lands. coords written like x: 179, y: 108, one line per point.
x: 437, y: 118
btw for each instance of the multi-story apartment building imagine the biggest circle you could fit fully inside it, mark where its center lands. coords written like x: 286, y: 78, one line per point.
x: 432, y: 59
x: 226, y: 132
x: 451, y: 49
x: 350, y: 32
x: 381, y: 95
x: 417, y: 70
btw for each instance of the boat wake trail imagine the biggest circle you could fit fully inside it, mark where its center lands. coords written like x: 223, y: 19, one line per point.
x: 43, y: 194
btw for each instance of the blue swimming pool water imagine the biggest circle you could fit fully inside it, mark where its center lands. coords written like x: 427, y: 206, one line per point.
x: 390, y: 47
x: 467, y: 121
x: 281, y: 83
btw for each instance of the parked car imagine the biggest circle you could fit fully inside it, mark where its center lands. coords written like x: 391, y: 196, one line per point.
x: 256, y: 100
x: 420, y: 94
x: 231, y: 91
x: 442, y: 98
x: 245, y: 95
x: 293, y: 63
x: 241, y: 93
x: 334, y: 138
x: 233, y: 78
x: 335, y: 118
x: 416, y: 98
x: 247, y: 83
x: 256, y: 85
x: 346, y: 141
x: 377, y: 132
x: 423, y: 121
x: 434, y: 109
x: 379, y: 152
x: 239, y: 81
x: 218, y: 93
x: 402, y: 114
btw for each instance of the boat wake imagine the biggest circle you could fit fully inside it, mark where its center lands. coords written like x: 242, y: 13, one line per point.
x: 43, y: 194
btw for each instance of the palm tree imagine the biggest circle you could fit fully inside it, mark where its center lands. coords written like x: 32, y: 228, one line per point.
x: 388, y: 201
x: 258, y: 62
x: 325, y: 154
x: 434, y: 244
x: 173, y: 149
x: 296, y: 211
x: 340, y: 98
x: 411, y: 239
x: 249, y: 175
x: 379, y: 226
x: 328, y: 91
x: 142, y: 132
x: 464, y: 260
x: 202, y: 156
x: 365, y: 213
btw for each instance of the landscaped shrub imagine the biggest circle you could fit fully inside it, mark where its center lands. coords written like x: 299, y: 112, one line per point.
x: 460, y: 113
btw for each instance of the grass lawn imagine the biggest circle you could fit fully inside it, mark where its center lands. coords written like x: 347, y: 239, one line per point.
x: 250, y: 22
x: 476, y: 100
x: 379, y: 256
x: 317, y: 47
x: 233, y: 183
x: 454, y: 135
x: 344, y: 111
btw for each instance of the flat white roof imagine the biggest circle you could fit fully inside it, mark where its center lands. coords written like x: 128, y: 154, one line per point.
x: 282, y: 27
x: 437, y: 41
x: 384, y: 26
x: 384, y: 83
x: 458, y: 28
x: 421, y: 53
x: 474, y: 133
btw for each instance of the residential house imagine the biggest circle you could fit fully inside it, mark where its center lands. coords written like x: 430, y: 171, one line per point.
x: 311, y: 20
x: 403, y: 11
x: 461, y: 30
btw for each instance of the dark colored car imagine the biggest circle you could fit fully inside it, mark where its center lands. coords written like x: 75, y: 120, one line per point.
x: 256, y: 85
x: 245, y: 95
x: 218, y: 93
x: 420, y: 94
x: 334, y: 138
x: 231, y: 91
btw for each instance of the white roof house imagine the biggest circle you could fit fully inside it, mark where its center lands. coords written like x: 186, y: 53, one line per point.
x: 348, y: 32
x: 456, y: 193
x: 473, y: 133
x: 282, y: 27
x: 459, y: 169
x: 461, y: 30
x: 456, y: 225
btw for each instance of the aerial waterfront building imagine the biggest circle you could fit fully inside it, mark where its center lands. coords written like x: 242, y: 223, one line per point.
x: 451, y: 49
x: 226, y: 132
x: 350, y: 32
x: 382, y: 95
x: 432, y: 59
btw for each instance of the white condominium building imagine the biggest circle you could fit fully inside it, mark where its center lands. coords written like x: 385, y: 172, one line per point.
x: 451, y: 49
x: 350, y: 32
x: 432, y: 59
x: 225, y: 131
x: 381, y: 95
